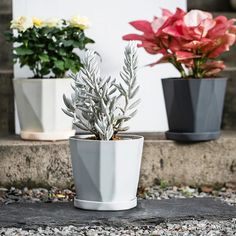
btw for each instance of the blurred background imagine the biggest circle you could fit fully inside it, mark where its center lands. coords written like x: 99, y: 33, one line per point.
x: 217, y: 7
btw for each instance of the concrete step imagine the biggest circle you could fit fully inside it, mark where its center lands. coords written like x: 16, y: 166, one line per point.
x: 5, y: 18
x: 31, y: 163
x: 6, y: 102
x: 5, y: 6
x: 229, y: 57
x: 210, y: 5
x: 229, y: 115
x: 5, y: 48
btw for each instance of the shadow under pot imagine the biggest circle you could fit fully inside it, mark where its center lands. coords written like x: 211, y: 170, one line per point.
x: 194, y: 108
x: 106, y: 173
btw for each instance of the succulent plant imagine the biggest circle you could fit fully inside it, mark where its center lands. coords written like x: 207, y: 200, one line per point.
x: 102, y: 105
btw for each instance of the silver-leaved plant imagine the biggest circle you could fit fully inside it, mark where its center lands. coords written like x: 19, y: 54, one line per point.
x: 101, y: 105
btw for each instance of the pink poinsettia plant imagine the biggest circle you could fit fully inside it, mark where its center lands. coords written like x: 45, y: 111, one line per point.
x: 192, y: 41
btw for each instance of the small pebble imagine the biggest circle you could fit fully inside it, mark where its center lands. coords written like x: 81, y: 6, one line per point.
x: 3, y: 189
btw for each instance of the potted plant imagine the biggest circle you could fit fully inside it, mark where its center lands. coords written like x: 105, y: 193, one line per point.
x: 47, y: 49
x: 192, y: 42
x: 106, y: 164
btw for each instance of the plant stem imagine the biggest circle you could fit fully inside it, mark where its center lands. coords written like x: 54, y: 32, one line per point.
x: 178, y: 66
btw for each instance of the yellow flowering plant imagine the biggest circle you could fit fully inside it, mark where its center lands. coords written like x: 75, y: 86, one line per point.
x: 47, y: 46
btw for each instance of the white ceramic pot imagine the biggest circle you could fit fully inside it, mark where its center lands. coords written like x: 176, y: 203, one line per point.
x: 39, y: 106
x: 106, y: 173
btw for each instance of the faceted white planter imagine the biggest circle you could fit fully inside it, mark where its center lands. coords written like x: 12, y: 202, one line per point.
x: 106, y: 173
x: 39, y: 106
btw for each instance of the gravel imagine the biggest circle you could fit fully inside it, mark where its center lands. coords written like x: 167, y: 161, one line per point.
x: 191, y: 227
x: 162, y: 191
x: 226, y: 193
x: 12, y: 195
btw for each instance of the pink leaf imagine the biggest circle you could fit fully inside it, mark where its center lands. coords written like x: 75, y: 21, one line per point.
x: 194, y: 17
x: 163, y: 59
x: 133, y: 37
x: 142, y: 25
x: 166, y: 12
x: 181, y: 55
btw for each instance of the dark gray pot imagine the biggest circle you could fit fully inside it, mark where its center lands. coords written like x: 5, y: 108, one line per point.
x: 194, y: 108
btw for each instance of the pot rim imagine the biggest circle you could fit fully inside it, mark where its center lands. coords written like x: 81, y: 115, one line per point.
x: 130, y: 137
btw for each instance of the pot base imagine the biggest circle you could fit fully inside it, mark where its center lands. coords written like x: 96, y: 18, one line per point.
x: 105, y: 206
x: 192, y: 137
x: 47, y: 136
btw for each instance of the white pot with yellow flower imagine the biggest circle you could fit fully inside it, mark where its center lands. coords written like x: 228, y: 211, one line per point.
x: 47, y: 48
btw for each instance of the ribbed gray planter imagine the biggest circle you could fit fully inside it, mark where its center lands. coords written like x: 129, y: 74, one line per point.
x: 106, y: 173
x: 194, y: 108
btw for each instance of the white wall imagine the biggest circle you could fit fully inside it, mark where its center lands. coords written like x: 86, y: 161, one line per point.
x: 109, y: 23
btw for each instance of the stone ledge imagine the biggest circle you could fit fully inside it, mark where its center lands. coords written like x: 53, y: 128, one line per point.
x: 6, y: 102
x: 229, y: 115
x: 148, y: 212
x: 8, y: 73
x: 210, y: 5
x: 6, y: 6
x: 35, y: 163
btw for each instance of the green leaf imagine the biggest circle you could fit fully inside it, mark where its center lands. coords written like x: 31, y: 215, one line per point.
x: 44, y: 71
x: 51, y: 46
x: 59, y: 64
x: 74, y: 68
x: 88, y: 40
x: 44, y: 58
x: 78, y: 44
x: 62, y: 52
x: 53, y: 58
x: 46, y: 30
x: 9, y: 36
x: 68, y: 63
x: 23, y: 51
x: 39, y: 45
x: 67, y: 43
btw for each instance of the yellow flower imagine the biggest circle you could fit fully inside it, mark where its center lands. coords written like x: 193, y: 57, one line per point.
x: 37, y: 22
x: 80, y: 22
x: 22, y: 23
